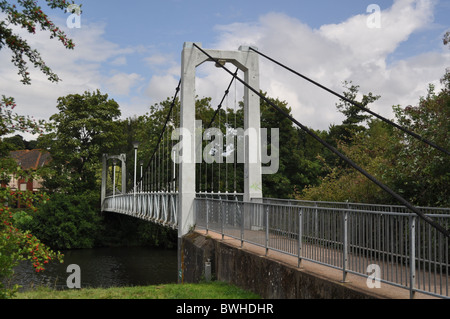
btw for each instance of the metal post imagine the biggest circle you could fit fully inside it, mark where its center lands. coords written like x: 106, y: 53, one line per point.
x: 300, y: 236
x: 135, y: 145
x: 412, y: 256
x: 114, y: 182
x: 222, y: 215
x: 242, y: 223
x: 267, y: 229
x: 174, y: 176
x: 345, y: 249
x: 207, y: 216
x: 208, y: 271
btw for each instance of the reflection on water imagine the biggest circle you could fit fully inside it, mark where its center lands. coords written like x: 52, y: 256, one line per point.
x: 105, y: 267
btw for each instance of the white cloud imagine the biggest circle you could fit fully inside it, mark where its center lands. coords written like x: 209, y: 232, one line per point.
x: 158, y: 59
x: 330, y: 55
x: 371, y: 45
x: 161, y: 87
x: 119, y: 61
x: 121, y: 83
x: 335, y: 53
x: 79, y: 69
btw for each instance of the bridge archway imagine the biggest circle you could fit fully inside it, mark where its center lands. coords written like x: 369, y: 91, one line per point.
x: 247, y: 61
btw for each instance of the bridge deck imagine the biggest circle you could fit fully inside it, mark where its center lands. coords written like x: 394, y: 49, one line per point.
x: 356, y: 282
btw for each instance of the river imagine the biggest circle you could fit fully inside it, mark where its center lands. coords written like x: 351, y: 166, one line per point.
x: 105, y: 267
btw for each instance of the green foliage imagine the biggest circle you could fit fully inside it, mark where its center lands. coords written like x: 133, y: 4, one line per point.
x: 11, y: 122
x: 355, y: 116
x: 28, y: 15
x: 17, y: 245
x: 298, y: 163
x: 423, y: 173
x: 297, y: 169
x: 416, y: 171
x: 82, y: 131
x: 153, y: 235
x: 129, y: 231
x: 17, y: 142
x: 68, y: 221
x: 356, y: 119
x: 343, y: 183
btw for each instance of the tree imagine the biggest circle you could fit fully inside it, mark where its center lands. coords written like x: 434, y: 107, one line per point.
x: 371, y: 150
x: 17, y: 142
x: 355, y: 117
x: 28, y: 15
x: 423, y: 173
x: 296, y: 170
x: 67, y: 221
x: 17, y: 245
x: 84, y: 129
x: 411, y: 168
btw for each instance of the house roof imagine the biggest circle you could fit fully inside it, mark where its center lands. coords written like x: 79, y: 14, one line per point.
x: 31, y: 159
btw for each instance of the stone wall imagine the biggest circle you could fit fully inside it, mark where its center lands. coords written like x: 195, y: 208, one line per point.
x: 266, y: 277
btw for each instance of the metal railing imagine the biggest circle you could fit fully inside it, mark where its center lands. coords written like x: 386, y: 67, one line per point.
x: 157, y: 207
x: 357, y: 206
x: 383, y: 243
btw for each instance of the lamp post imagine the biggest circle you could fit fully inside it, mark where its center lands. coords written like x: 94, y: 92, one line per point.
x: 135, y: 145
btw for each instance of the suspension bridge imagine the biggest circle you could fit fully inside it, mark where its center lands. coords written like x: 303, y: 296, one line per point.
x: 190, y: 181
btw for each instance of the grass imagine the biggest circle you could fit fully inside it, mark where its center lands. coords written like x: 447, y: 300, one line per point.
x: 212, y: 290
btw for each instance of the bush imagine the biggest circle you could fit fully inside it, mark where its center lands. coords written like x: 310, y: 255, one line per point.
x: 17, y: 245
x: 67, y: 221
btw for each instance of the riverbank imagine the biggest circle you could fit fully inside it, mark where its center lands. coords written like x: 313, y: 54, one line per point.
x: 212, y: 290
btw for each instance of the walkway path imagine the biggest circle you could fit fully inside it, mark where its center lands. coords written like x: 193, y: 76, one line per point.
x: 355, y: 282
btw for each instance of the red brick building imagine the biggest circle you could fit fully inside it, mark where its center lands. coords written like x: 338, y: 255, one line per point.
x: 28, y: 160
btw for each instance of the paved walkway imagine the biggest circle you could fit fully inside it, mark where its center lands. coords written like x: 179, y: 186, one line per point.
x: 355, y: 282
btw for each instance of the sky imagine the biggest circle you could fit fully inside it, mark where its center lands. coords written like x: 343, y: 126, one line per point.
x: 131, y: 50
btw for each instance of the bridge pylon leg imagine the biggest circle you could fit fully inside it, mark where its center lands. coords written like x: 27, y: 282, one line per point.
x: 247, y: 61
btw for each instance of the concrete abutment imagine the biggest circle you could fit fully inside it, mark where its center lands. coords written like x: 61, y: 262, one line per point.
x: 250, y: 269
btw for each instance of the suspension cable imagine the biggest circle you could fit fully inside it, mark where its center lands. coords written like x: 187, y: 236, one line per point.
x: 358, y: 105
x: 177, y: 90
x: 334, y: 150
x: 235, y: 145
x: 219, y: 107
x: 227, y: 91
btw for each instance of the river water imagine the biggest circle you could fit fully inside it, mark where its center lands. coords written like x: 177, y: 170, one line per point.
x: 104, y: 267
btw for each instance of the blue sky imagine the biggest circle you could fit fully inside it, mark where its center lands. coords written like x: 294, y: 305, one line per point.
x: 131, y: 50
x: 166, y: 25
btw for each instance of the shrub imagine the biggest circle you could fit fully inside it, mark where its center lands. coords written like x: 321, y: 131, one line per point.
x: 67, y: 221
